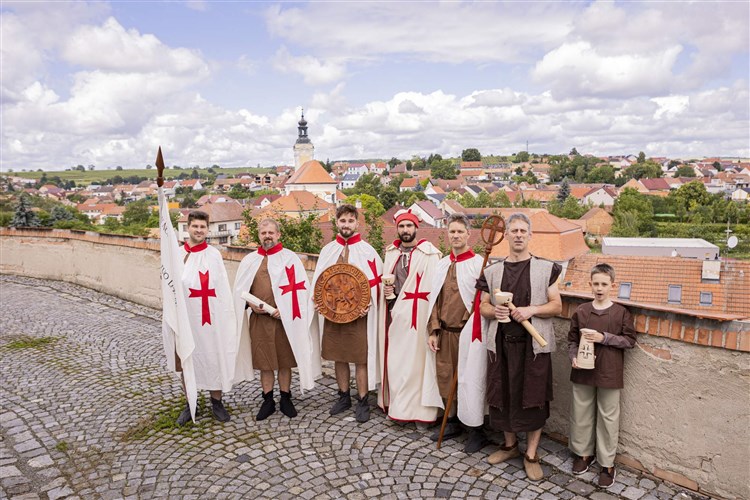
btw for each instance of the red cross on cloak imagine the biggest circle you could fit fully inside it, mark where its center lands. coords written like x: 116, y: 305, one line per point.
x: 293, y: 286
x: 415, y: 296
x: 203, y: 293
x: 374, y: 268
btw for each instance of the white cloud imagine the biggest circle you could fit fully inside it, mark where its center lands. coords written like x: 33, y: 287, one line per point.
x: 110, y: 47
x: 579, y: 69
x: 440, y: 31
x: 313, y: 70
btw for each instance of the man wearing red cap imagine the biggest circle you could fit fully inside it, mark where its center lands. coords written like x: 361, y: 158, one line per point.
x: 354, y: 342
x: 406, y: 394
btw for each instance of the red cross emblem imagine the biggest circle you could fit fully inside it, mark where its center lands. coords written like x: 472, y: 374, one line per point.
x: 203, y: 293
x: 416, y: 295
x: 293, y: 286
x: 374, y: 268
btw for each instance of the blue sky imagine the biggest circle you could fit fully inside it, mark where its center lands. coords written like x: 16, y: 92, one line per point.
x: 223, y: 82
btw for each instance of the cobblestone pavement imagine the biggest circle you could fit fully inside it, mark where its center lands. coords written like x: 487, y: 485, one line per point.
x: 79, y: 420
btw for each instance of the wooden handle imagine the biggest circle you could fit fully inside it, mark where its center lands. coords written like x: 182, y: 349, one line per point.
x: 530, y: 328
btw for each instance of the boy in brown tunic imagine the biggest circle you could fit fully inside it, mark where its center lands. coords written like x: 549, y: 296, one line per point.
x: 595, y: 415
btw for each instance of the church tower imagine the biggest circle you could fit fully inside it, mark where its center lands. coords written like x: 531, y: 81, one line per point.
x: 303, y: 148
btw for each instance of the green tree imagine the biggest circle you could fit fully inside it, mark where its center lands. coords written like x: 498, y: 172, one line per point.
x: 626, y: 224
x: 393, y: 162
x: 443, y: 169
x: 388, y: 197
x: 368, y: 184
x: 500, y: 199
x: 574, y: 152
x: 648, y: 170
x: 136, y: 212
x: 471, y: 154
x: 60, y: 213
x: 521, y: 157
x: 375, y: 230
x: 571, y: 209
x: 564, y: 191
x: 684, y: 171
x: 641, y: 157
x: 118, y: 167
x: 370, y: 204
x: 604, y: 174
x: 24, y: 215
x: 691, y: 195
x: 630, y: 200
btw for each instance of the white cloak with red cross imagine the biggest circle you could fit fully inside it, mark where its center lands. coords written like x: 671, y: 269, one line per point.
x: 405, y: 394
x: 211, y: 316
x: 364, y: 257
x: 472, y: 351
x: 291, y: 292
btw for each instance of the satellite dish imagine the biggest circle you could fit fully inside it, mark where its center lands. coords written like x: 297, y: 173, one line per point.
x: 732, y: 242
x: 674, y: 253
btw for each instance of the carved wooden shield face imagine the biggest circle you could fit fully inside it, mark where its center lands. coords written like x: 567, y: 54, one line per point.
x: 342, y: 293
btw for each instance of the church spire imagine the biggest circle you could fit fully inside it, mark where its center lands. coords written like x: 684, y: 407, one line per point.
x: 302, y: 128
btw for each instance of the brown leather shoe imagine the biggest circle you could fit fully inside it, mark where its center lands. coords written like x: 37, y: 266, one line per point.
x: 582, y: 464
x: 533, y: 468
x: 607, y: 477
x: 504, y: 453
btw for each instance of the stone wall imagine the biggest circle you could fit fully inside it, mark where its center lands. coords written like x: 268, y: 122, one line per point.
x: 686, y: 402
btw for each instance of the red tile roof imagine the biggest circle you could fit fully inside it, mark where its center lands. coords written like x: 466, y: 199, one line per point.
x: 311, y: 172
x: 651, y: 276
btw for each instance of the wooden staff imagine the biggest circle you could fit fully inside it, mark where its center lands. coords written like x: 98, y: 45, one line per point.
x: 495, y: 226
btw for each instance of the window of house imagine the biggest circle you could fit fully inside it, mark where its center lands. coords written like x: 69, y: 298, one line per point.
x: 222, y: 227
x: 707, y: 298
x: 237, y: 225
x: 675, y: 294
x: 624, y: 292
x: 223, y: 240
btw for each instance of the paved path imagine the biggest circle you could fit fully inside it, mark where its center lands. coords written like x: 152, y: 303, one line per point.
x: 89, y: 414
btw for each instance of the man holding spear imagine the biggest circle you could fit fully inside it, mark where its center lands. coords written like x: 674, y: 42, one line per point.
x: 519, y: 371
x: 198, y: 329
x: 456, y: 336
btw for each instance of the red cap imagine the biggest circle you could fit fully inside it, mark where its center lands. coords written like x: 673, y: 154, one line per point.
x: 406, y: 215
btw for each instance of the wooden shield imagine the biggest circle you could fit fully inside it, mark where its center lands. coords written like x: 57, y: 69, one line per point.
x: 342, y: 293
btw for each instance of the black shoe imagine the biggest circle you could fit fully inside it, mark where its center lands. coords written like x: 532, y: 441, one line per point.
x: 268, y: 406
x: 218, y: 411
x: 362, y: 411
x: 452, y: 429
x: 476, y: 440
x: 342, y: 404
x: 286, y: 405
x: 184, y: 417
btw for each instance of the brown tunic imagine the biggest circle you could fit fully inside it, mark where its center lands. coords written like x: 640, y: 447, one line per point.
x: 270, y: 345
x: 448, y: 317
x: 345, y: 342
x: 519, y: 384
x: 616, y: 323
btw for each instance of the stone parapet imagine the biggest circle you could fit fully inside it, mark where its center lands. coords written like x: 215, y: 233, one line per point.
x: 686, y: 401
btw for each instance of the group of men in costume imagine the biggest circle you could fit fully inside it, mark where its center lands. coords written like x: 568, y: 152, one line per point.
x: 441, y: 323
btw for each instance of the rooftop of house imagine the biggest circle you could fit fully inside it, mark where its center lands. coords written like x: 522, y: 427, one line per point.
x: 311, y: 172
x: 298, y: 201
x: 647, y: 280
x: 219, y: 212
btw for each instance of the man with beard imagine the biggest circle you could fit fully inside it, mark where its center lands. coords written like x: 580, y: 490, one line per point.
x: 356, y: 341
x: 456, y: 338
x: 519, y: 371
x: 210, y: 313
x: 275, y: 340
x: 407, y: 394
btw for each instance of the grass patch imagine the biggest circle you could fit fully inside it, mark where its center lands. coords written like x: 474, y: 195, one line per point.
x: 62, y: 446
x: 30, y: 342
x: 164, y: 421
